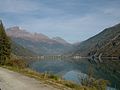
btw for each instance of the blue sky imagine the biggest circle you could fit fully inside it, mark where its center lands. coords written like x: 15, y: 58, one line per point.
x: 73, y: 20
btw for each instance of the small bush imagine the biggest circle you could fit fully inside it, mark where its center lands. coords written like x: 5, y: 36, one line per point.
x: 93, y: 83
x: 53, y: 77
x: 18, y: 63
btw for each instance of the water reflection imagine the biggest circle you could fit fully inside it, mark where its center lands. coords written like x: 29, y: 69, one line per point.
x: 75, y: 76
x: 108, y: 69
x: 71, y: 69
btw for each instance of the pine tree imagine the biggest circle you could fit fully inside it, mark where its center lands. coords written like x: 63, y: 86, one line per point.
x: 5, y: 46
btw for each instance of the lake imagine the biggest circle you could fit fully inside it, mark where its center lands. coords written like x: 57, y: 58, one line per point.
x: 71, y: 69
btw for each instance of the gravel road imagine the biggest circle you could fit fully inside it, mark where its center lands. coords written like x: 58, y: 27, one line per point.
x: 10, y: 80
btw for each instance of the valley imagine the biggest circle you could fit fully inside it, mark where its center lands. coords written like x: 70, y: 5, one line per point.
x: 44, y: 53
x: 59, y: 44
x: 69, y: 61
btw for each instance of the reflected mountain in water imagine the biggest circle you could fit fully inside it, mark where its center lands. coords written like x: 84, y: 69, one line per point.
x: 71, y: 69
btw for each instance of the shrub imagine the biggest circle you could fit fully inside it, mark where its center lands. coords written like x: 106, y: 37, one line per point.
x: 18, y: 63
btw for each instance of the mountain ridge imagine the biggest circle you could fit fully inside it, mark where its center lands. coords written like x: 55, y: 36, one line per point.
x: 92, y: 45
x: 39, y: 43
x: 21, y: 33
x: 61, y: 40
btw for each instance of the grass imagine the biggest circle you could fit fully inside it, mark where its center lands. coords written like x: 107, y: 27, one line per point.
x: 44, y: 77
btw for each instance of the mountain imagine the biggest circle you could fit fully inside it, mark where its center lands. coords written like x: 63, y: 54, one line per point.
x: 60, y: 40
x: 19, y: 50
x: 37, y: 42
x: 112, y: 48
x: 101, y: 43
x: 16, y: 32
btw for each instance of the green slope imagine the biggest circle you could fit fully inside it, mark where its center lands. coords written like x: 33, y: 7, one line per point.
x: 44, y: 48
x: 19, y: 50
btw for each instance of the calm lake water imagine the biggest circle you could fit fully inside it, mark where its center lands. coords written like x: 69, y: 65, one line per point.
x: 73, y: 70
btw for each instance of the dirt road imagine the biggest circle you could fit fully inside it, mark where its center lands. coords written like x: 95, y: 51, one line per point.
x: 10, y: 80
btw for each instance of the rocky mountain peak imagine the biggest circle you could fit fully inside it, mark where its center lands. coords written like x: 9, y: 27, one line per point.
x: 20, y: 33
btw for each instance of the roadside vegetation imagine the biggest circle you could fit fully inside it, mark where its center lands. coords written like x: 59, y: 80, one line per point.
x: 56, y: 81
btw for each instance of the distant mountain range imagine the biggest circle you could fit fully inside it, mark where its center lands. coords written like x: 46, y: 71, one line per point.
x: 107, y: 43
x: 39, y: 43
